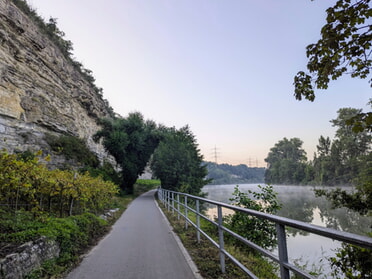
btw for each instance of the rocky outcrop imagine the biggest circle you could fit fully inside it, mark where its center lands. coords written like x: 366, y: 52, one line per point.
x: 40, y: 90
x: 28, y: 257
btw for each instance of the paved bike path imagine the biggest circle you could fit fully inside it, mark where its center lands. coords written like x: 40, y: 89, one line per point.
x: 140, y: 245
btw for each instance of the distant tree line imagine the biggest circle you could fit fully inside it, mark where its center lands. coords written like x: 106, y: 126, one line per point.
x: 345, y: 160
x: 229, y: 174
x: 338, y: 162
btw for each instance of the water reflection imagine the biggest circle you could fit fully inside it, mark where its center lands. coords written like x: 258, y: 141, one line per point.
x: 300, y: 203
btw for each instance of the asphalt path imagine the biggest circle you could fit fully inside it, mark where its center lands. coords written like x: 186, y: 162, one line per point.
x: 141, y: 245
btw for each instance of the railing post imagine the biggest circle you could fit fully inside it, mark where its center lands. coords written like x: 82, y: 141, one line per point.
x: 197, y: 221
x: 165, y: 198
x: 168, y: 200
x: 186, y: 213
x: 172, y: 203
x: 178, y: 206
x: 282, y: 249
x: 220, y: 238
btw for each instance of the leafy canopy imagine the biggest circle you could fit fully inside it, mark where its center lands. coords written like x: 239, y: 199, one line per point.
x: 131, y: 141
x: 344, y: 48
x: 177, y: 162
x: 346, y: 160
x: 286, y: 162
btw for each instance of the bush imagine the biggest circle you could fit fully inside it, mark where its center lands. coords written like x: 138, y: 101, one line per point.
x: 352, y: 262
x: 74, y: 233
x: 106, y: 171
x: 73, y: 148
x: 260, y: 231
x: 30, y: 186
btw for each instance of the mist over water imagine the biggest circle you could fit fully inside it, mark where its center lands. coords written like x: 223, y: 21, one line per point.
x: 300, y: 203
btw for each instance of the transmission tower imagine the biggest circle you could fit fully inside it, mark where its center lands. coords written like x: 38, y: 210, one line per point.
x: 215, y: 154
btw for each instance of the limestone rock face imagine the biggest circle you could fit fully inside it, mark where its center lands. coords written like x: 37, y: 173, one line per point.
x: 40, y: 90
x: 29, y: 257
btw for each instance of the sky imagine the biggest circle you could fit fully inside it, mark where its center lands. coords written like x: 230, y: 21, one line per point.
x: 223, y: 67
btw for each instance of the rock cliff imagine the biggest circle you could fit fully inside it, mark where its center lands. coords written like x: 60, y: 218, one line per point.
x: 40, y: 89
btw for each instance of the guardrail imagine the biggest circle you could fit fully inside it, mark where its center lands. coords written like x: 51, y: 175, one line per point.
x: 170, y: 198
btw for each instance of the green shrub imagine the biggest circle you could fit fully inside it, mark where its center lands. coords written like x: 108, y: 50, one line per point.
x: 144, y: 185
x: 352, y: 262
x: 73, y: 233
x: 30, y: 186
x: 73, y: 148
x: 260, y: 231
x: 106, y: 171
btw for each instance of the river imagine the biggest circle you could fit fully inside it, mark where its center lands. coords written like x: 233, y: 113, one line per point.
x: 300, y: 203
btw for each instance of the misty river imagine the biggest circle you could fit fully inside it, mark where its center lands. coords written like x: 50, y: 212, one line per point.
x: 300, y: 203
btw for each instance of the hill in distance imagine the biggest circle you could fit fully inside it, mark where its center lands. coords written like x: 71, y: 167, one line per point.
x: 229, y: 174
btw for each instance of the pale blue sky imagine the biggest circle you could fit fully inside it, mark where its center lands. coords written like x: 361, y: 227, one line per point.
x: 224, y: 67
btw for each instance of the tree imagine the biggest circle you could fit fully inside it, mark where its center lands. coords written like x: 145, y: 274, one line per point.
x: 286, y: 162
x: 347, y: 162
x: 341, y: 161
x: 177, y: 162
x: 344, y: 48
x: 324, y: 147
x: 131, y: 141
x: 361, y: 121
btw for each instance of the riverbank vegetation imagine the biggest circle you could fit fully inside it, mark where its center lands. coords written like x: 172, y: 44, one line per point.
x: 345, y: 160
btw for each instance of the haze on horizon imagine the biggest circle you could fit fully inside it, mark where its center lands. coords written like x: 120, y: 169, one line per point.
x: 225, y: 68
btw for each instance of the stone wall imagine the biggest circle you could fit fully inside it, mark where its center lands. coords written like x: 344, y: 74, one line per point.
x: 29, y: 257
x: 40, y: 90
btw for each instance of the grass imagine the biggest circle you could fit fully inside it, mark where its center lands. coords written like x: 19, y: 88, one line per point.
x: 206, y: 255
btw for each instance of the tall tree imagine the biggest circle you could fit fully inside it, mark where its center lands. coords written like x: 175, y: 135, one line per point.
x: 348, y: 161
x: 178, y: 163
x: 131, y: 141
x: 344, y: 48
x: 286, y: 162
x: 339, y: 162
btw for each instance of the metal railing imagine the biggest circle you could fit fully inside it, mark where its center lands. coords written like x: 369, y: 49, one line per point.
x: 170, y: 198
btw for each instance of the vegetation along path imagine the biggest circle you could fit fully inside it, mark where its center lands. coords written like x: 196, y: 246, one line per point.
x: 140, y: 245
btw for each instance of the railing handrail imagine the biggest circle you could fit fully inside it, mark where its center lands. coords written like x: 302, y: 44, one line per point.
x: 281, y: 222
x: 360, y: 240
